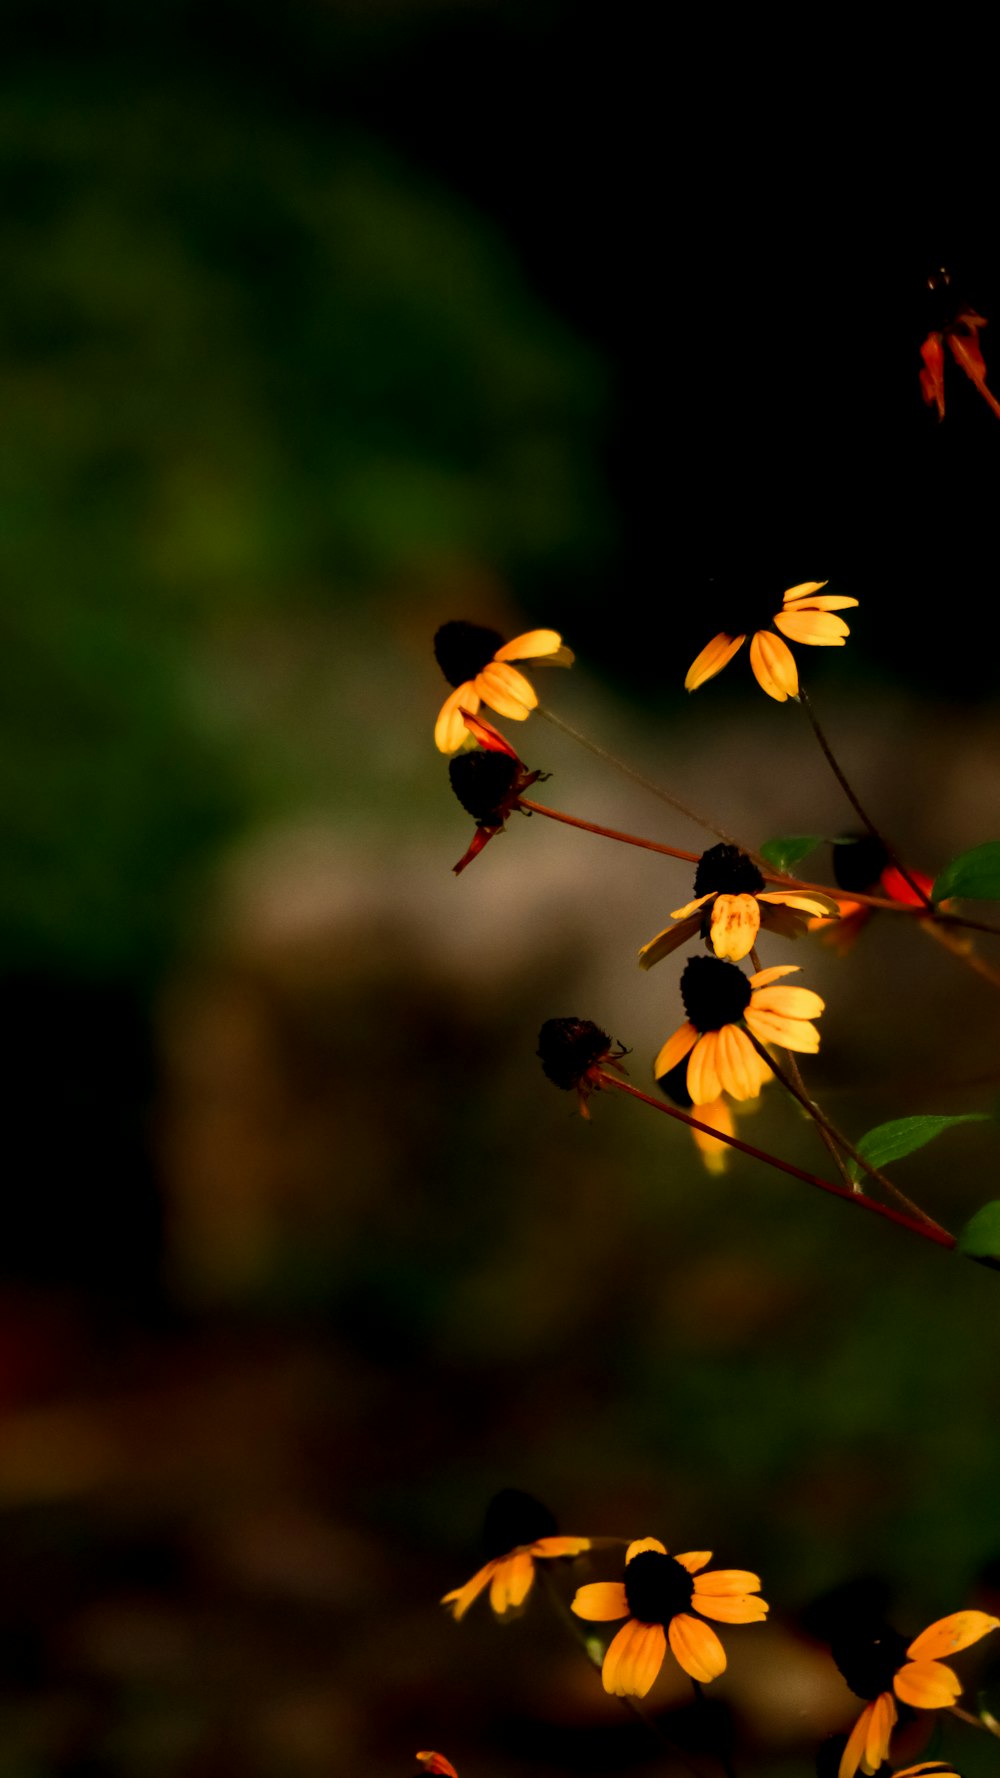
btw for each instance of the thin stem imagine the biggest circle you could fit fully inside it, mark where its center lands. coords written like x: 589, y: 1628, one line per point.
x: 607, y: 833
x: 929, y: 1231
x: 725, y: 1759
x: 852, y: 798
x: 987, y: 1722
x: 848, y: 1148
x: 957, y: 949
x: 794, y: 1070
x: 637, y: 778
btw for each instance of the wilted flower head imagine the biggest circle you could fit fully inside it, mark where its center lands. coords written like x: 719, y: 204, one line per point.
x: 518, y: 1531
x: 573, y: 1052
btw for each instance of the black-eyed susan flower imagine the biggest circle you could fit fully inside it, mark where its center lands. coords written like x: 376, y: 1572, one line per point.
x: 722, y: 1005
x: 488, y: 783
x: 881, y: 1667
x: 716, y: 1112
x: 573, y: 1052
x: 806, y: 615
x: 658, y: 1594
x: 518, y: 1532
x: 731, y: 904
x: 477, y: 662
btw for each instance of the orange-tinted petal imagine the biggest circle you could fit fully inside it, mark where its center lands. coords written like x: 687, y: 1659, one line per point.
x: 714, y: 1153
x: 645, y: 1543
x: 929, y: 1685
x: 436, y: 1762
x: 506, y: 690
x: 727, y: 1582
x: 697, y: 1648
x: 774, y: 666
x: 852, y: 1755
x: 745, y: 1608
x: 949, y: 1634
x: 809, y: 901
x: 703, y: 1081
x: 511, y: 1583
x: 929, y: 1769
x: 691, y: 907
x: 693, y: 1560
x: 633, y: 1660
x: 601, y: 1601
x: 821, y: 629
x: 765, y: 977
x: 449, y: 730
x: 737, y: 1063
x: 880, y: 1726
x: 675, y: 1049
x: 788, y: 1003
x: 716, y: 655
x: 559, y: 1546
x: 804, y: 590
x: 665, y: 942
x: 532, y: 645
x: 789, y: 1034
x: 735, y: 925
x: 462, y: 1597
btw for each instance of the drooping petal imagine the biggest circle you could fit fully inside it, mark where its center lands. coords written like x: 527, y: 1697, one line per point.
x: 601, y: 1601
x: 822, y: 602
x: 929, y: 1685
x: 880, y: 1726
x: 949, y: 1634
x: 819, y: 628
x: 665, y: 942
x: 506, y: 690
x: 788, y: 1034
x: 810, y: 901
x: 792, y: 1003
x: 804, y: 590
x: 531, y: 645
x: 675, y: 1049
x: 853, y: 1753
x: 690, y: 907
x: 745, y: 1608
x: 488, y: 737
x: 774, y: 666
x: 436, y: 1762
x: 559, y: 1546
x: 450, y: 730
x: 713, y: 657
x: 633, y: 1660
x: 737, y: 1063
x: 697, y: 1648
x: 765, y: 977
x: 462, y: 1597
x: 703, y: 1081
x: 726, y: 1582
x: 714, y: 1153
x: 644, y: 1543
x: 511, y: 1583
x: 693, y: 1560
x: 735, y: 925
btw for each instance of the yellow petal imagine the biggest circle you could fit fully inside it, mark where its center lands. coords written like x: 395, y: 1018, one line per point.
x: 774, y: 666
x: 853, y: 1753
x: 506, y: 690
x: 697, y: 1648
x: 723, y: 1582
x: 559, y: 1546
x: 633, y: 1660
x: 716, y: 655
x: 929, y: 1685
x: 644, y: 1543
x: 792, y: 1003
x: 735, y: 925
x: 462, y: 1597
x: 939, y: 1768
x: 746, y: 1608
x: 449, y: 730
x: 880, y: 1727
x: 819, y: 628
x: 714, y: 1153
x: 808, y: 900
x: 804, y: 590
x: 736, y: 1061
x: 690, y: 907
x: 531, y: 645
x: 949, y: 1634
x: 674, y: 1050
x: 601, y: 1601
x: 692, y: 1560
x: 512, y: 1582
x: 821, y: 602
x: 665, y: 942
x: 702, y: 1074
x: 764, y: 977
x: 788, y: 1034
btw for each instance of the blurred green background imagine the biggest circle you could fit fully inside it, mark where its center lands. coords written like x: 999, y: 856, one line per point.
x: 319, y: 328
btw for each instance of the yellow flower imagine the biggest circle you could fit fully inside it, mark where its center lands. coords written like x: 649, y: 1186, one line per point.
x: 716, y: 1112
x: 476, y: 661
x: 878, y: 1665
x: 719, y: 1001
x: 806, y: 615
x: 657, y: 1596
x: 730, y: 907
x: 519, y: 1531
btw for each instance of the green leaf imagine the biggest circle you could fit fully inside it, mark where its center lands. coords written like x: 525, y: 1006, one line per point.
x: 973, y: 875
x: 889, y: 1142
x: 785, y: 853
x: 980, y: 1238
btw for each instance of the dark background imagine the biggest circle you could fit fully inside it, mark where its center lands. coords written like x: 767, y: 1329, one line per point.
x: 321, y: 326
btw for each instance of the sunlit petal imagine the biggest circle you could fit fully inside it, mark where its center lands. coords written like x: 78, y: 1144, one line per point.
x: 774, y: 666
x: 644, y: 1543
x: 736, y: 1061
x: 506, y: 690
x: 853, y: 1753
x: 675, y: 1049
x: 809, y: 900
x: 633, y: 1660
x: 789, y: 1034
x: 819, y: 628
x: 746, y: 1608
x: 601, y: 1601
x: 697, y: 1648
x: 531, y: 645
x: 512, y: 1582
x: 804, y: 590
x: 703, y: 1081
x: 693, y: 1560
x: 716, y: 655
x: 880, y: 1726
x: 462, y: 1597
x: 793, y: 1003
x: 735, y: 925
x: 665, y: 942
x: 689, y: 907
x: 949, y: 1634
x: 559, y: 1546
x: 765, y: 977
x: 449, y: 730
x: 723, y: 1582
x: 929, y: 1685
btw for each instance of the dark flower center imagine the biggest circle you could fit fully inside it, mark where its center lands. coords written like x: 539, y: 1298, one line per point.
x: 858, y: 862
x: 657, y: 1587
x: 463, y: 650
x: 674, y: 1085
x: 715, y: 993
x: 483, y: 783
x: 869, y: 1657
x: 513, y: 1518
x: 728, y: 871
x: 741, y: 606
x: 568, y: 1047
